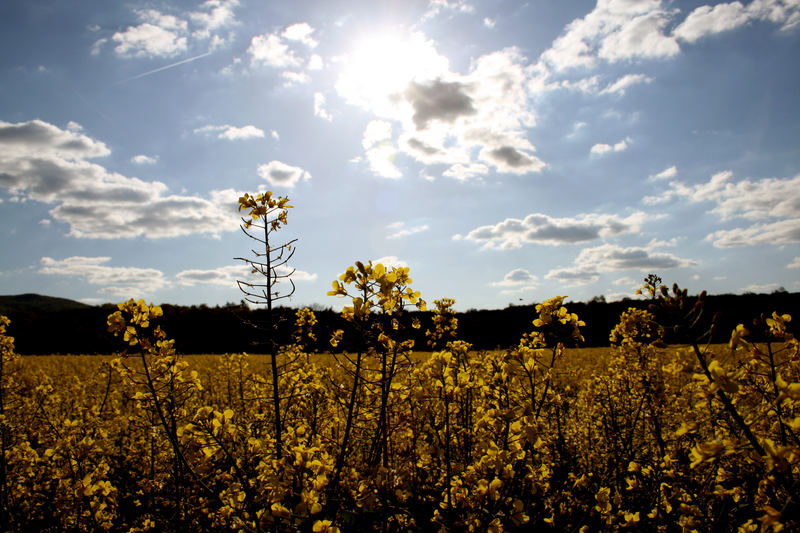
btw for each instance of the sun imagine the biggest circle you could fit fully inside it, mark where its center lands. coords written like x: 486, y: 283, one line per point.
x: 381, y: 65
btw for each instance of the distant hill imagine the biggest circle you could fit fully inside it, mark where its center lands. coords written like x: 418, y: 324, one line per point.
x: 47, y: 325
x: 36, y: 303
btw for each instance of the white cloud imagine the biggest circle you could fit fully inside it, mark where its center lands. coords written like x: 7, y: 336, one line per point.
x: 465, y: 172
x: 795, y: 263
x: 233, y: 133
x: 436, y: 6
x: 479, y: 118
x: 516, y: 281
x: 591, y: 262
x: 622, y: 84
x: 169, y: 22
x: 315, y: 62
x: 515, y: 278
x: 497, y: 86
x: 300, y: 32
x: 275, y: 135
x: 620, y: 30
x: 380, y: 152
x: 538, y: 228
x: 381, y: 160
x: 622, y: 145
x: 389, y: 261
x: 658, y: 243
x: 46, y: 140
x: 217, y: 42
x: 663, y: 198
x: 132, y: 282
x: 228, y: 70
x: 456, y: 5
x: 489, y: 23
x: 159, y: 217
x: 281, y: 174
x: 142, y: 159
x: 269, y: 49
x: 213, y: 15
x: 319, y: 107
x: 280, y: 50
x: 707, y: 20
x: 611, y: 257
x: 625, y: 31
x: 602, y: 149
x: 159, y: 35
x: 641, y: 36
x: 539, y: 83
x: 375, y: 132
x: 761, y: 288
x: 228, y: 275
x: 399, y: 230
x: 576, y: 129
x: 293, y: 77
x: 667, y: 173
x: 40, y: 162
x: 754, y: 200
x: 615, y: 30
x: 762, y: 200
x: 164, y: 35
x: 301, y: 275
x: 776, y: 233
x: 97, y: 46
x: 122, y: 282
x: 619, y: 296
x: 578, y: 275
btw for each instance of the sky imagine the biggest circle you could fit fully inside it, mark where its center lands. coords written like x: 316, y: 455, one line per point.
x: 505, y: 151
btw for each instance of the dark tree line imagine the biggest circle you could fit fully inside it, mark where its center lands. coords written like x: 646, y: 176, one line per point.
x: 54, y: 326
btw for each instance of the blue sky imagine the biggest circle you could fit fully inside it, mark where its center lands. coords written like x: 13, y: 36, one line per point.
x: 505, y: 151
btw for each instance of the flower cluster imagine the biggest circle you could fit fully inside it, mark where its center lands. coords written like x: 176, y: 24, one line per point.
x: 264, y: 206
x: 376, y: 289
x: 640, y: 436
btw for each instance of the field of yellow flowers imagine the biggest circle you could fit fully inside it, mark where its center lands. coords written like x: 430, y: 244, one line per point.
x: 640, y: 436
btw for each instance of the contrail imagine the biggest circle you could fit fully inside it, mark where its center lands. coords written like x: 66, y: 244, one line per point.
x: 159, y: 69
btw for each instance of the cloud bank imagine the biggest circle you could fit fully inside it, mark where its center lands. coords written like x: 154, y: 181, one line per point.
x: 43, y: 163
x: 538, y: 228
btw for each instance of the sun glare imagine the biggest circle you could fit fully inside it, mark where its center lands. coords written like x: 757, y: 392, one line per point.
x: 382, y: 65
